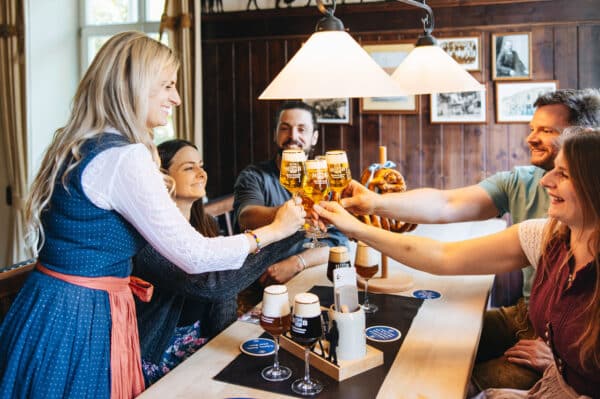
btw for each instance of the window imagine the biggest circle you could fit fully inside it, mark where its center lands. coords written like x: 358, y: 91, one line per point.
x: 101, y: 19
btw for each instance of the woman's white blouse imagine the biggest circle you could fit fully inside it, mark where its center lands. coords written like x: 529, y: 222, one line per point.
x: 531, y: 234
x: 127, y: 180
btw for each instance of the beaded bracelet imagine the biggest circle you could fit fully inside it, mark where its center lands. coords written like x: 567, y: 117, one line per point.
x: 251, y: 232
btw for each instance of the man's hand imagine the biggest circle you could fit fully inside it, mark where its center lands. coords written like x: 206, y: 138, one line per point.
x: 532, y: 353
x: 358, y: 199
x: 281, y: 272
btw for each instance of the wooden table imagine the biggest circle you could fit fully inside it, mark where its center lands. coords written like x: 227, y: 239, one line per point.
x: 435, y: 360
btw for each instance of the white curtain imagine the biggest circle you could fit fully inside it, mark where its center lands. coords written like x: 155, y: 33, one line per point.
x: 12, y: 122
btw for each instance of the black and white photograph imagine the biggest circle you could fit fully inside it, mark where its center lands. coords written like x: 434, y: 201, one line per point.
x: 511, y: 56
x: 331, y: 110
x: 466, y: 51
x: 514, y: 100
x: 463, y: 107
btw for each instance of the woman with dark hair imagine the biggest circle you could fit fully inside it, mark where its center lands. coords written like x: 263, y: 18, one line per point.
x: 565, y: 249
x: 186, y: 309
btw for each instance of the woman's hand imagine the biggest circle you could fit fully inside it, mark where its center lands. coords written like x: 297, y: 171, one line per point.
x: 358, y: 199
x: 289, y: 217
x: 334, y: 213
x: 533, y: 353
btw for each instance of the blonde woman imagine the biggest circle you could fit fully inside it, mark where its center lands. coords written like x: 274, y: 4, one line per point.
x: 97, y: 199
x: 565, y: 250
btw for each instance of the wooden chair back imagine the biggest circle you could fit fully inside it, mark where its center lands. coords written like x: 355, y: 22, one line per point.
x: 12, y: 279
x: 222, y: 209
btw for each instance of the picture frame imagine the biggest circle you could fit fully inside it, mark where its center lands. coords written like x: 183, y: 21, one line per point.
x: 332, y: 110
x: 514, y: 100
x: 511, y: 56
x: 462, y: 107
x: 389, y: 55
x: 466, y: 51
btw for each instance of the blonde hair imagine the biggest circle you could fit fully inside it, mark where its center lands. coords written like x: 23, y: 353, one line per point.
x: 581, y: 149
x: 114, y: 92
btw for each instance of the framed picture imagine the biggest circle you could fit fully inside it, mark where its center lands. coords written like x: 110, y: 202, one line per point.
x: 511, y: 56
x: 464, y: 107
x: 466, y: 51
x: 332, y: 110
x: 389, y: 56
x: 514, y: 100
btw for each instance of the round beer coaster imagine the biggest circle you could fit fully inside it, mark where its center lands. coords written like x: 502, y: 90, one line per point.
x: 426, y: 294
x: 382, y: 333
x: 258, y: 347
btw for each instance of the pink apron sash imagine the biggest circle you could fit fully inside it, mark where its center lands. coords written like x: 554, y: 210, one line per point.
x: 127, y: 380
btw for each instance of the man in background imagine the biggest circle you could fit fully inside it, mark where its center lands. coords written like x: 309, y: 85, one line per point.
x: 258, y: 193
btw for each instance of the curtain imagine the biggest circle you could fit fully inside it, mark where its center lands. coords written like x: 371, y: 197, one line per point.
x: 177, y: 20
x: 13, y: 122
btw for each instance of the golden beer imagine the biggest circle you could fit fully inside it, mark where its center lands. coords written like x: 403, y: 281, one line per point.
x: 339, y: 170
x: 316, y: 182
x: 292, y: 170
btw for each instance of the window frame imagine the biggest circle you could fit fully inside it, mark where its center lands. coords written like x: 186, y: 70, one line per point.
x: 87, y: 31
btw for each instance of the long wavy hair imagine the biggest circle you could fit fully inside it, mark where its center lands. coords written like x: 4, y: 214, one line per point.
x: 114, y: 92
x: 200, y: 220
x: 581, y: 149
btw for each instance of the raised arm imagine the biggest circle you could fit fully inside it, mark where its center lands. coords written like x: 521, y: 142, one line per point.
x: 255, y: 216
x: 424, y: 205
x: 491, y: 254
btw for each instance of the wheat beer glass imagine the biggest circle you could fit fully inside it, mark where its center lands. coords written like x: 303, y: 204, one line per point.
x: 275, y: 319
x: 366, y: 264
x: 316, y: 188
x: 306, y: 329
x: 291, y: 174
x: 339, y: 171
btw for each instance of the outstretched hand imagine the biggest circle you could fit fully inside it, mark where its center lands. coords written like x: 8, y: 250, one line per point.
x: 533, y: 353
x: 358, y: 199
x: 334, y: 213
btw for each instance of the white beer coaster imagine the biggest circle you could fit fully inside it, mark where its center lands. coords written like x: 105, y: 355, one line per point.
x: 382, y: 333
x: 258, y: 347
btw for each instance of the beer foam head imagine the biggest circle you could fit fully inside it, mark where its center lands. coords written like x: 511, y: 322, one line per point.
x: 293, y: 155
x: 307, y: 305
x: 338, y: 156
x: 338, y: 254
x: 316, y: 164
x: 365, y: 255
x: 276, y: 302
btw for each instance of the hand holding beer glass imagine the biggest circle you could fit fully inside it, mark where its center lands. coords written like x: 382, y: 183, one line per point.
x: 339, y: 171
x: 275, y: 319
x: 306, y: 330
x: 315, y: 187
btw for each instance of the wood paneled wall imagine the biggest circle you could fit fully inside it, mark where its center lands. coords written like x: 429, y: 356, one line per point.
x: 242, y: 52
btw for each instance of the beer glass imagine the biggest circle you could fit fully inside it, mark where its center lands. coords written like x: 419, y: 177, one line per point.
x: 339, y: 171
x: 338, y: 258
x: 306, y: 330
x: 275, y: 319
x: 366, y: 265
x: 316, y: 188
x: 291, y: 174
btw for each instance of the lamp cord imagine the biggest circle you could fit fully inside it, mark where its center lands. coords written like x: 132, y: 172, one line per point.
x: 428, y: 19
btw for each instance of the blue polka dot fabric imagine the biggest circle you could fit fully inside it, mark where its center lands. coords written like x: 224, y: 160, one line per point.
x: 55, y: 339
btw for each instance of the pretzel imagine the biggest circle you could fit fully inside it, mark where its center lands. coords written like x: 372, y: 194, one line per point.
x: 385, y: 180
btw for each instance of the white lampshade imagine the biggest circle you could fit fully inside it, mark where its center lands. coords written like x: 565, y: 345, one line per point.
x: 428, y: 69
x: 331, y: 64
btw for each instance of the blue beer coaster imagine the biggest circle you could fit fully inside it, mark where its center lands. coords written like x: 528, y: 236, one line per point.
x: 426, y: 294
x: 382, y: 333
x: 258, y: 347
